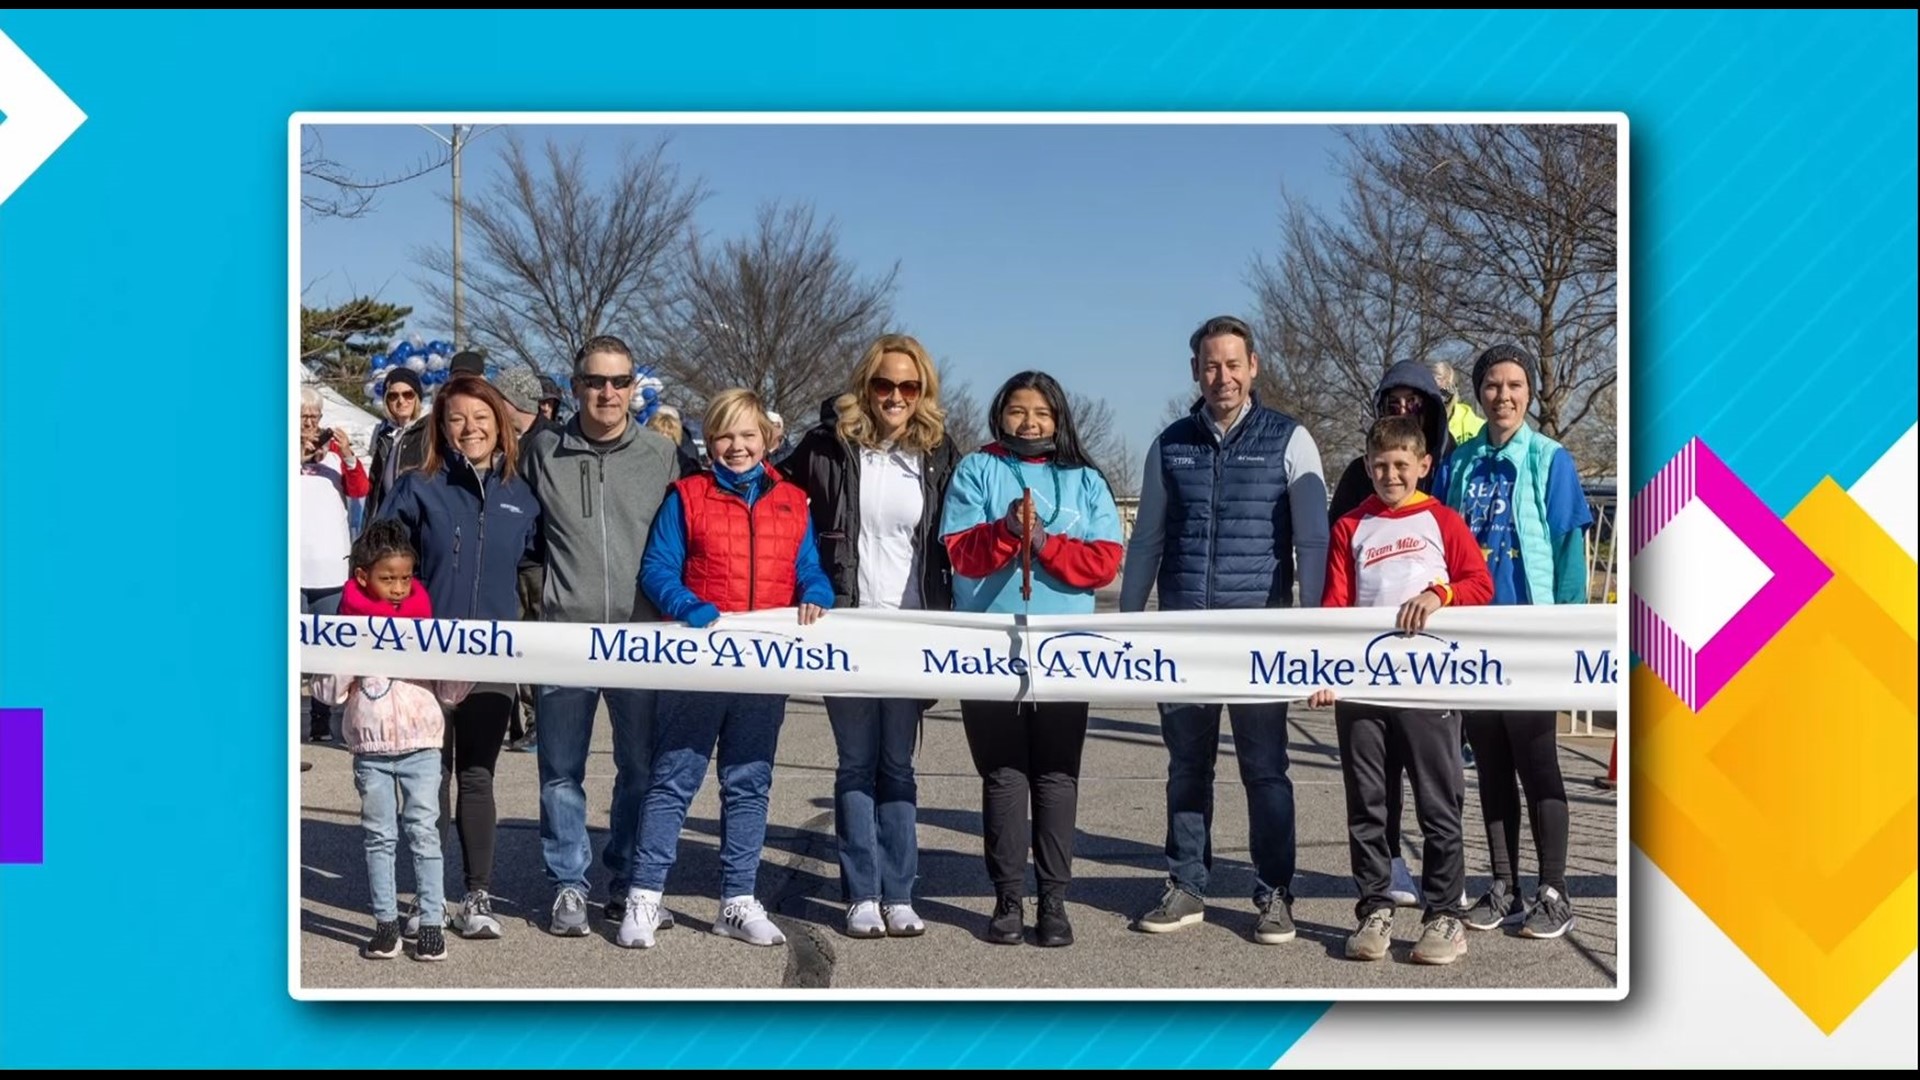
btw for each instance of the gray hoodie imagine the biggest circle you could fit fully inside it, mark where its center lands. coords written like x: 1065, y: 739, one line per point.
x: 597, y: 506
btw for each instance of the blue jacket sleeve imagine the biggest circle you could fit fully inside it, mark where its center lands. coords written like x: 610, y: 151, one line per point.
x: 1568, y: 517
x: 663, y: 568
x: 815, y: 587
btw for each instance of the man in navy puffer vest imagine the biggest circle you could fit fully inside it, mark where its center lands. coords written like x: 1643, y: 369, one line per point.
x: 1233, y: 514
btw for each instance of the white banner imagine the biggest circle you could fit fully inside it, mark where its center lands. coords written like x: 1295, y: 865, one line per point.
x: 1568, y: 658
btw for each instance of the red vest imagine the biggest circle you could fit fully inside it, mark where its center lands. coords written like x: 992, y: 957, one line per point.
x: 740, y: 561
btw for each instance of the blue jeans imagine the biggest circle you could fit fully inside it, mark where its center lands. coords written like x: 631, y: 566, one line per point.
x: 1192, y: 734
x: 564, y: 715
x: 874, y: 797
x: 686, y: 729
x: 412, y: 779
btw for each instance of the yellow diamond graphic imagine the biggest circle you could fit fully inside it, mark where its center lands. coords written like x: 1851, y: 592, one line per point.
x: 1786, y: 808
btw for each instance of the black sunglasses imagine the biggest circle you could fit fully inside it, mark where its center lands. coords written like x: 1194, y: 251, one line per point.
x: 600, y: 382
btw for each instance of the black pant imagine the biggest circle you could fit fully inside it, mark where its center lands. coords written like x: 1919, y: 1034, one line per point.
x: 1428, y: 744
x: 533, y: 577
x: 1525, y: 745
x: 1027, y: 752
x: 475, y: 728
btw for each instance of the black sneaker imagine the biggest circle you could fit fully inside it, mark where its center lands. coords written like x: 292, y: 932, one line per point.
x: 1276, y: 922
x: 1007, y: 926
x: 432, y: 944
x: 1551, y: 916
x: 1053, y: 929
x: 386, y: 941
x: 1499, y: 907
x: 1177, y: 908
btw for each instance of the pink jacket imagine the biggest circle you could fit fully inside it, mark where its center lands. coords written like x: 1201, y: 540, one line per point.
x: 387, y: 715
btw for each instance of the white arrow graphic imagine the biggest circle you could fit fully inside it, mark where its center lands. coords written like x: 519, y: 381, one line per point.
x: 38, y: 117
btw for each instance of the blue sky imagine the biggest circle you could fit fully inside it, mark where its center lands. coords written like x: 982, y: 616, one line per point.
x: 1090, y: 252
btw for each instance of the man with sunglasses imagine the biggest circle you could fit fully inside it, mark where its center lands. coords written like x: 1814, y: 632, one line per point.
x: 400, y: 442
x: 600, y: 479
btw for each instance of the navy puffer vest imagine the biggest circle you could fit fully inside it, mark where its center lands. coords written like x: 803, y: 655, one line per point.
x: 1229, y: 538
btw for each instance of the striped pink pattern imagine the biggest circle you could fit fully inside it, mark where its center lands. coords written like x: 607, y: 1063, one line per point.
x: 1670, y: 490
x: 1662, y: 650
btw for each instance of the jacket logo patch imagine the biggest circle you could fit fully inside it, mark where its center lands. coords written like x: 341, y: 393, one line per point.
x: 1171, y: 460
x: 510, y: 508
x: 1250, y: 457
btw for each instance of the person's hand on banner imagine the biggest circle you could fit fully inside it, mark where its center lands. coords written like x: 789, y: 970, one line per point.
x: 811, y: 613
x: 1413, y: 614
x: 703, y: 616
x: 1320, y: 699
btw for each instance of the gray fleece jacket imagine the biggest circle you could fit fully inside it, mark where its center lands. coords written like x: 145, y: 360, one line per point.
x: 597, y: 504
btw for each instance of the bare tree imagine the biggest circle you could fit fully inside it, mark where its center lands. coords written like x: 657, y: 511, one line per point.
x: 557, y: 258
x: 781, y: 312
x: 1524, y: 217
x: 1349, y: 296
x: 330, y: 189
x: 1100, y: 437
x: 1449, y: 239
x: 966, y: 416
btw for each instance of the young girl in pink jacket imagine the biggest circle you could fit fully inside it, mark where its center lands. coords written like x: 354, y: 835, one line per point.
x: 395, y: 729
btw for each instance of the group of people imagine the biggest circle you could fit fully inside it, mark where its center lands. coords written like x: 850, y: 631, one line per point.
x: 880, y: 506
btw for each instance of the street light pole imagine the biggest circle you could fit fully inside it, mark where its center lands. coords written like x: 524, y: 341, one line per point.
x: 456, y: 143
x: 459, y: 287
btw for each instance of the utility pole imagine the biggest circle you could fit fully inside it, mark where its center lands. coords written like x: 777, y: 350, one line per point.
x: 456, y: 144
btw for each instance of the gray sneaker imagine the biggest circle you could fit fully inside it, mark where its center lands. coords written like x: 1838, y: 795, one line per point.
x: 569, y: 917
x: 1497, y: 908
x: 1375, y: 934
x: 1551, y: 916
x: 1177, y: 908
x: 1442, y: 941
x: 476, y: 917
x: 1276, y: 922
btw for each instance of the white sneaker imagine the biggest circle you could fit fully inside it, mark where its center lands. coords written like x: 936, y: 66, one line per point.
x: 640, y: 920
x: 902, y: 922
x: 1403, y: 891
x: 743, y: 918
x: 864, y: 921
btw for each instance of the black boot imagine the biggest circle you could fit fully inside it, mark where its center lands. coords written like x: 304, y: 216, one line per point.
x: 1007, y: 927
x: 1053, y: 930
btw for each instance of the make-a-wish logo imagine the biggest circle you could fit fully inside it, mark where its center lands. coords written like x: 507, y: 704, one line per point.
x: 1395, y: 659
x: 775, y: 651
x: 445, y: 637
x: 1083, y: 654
